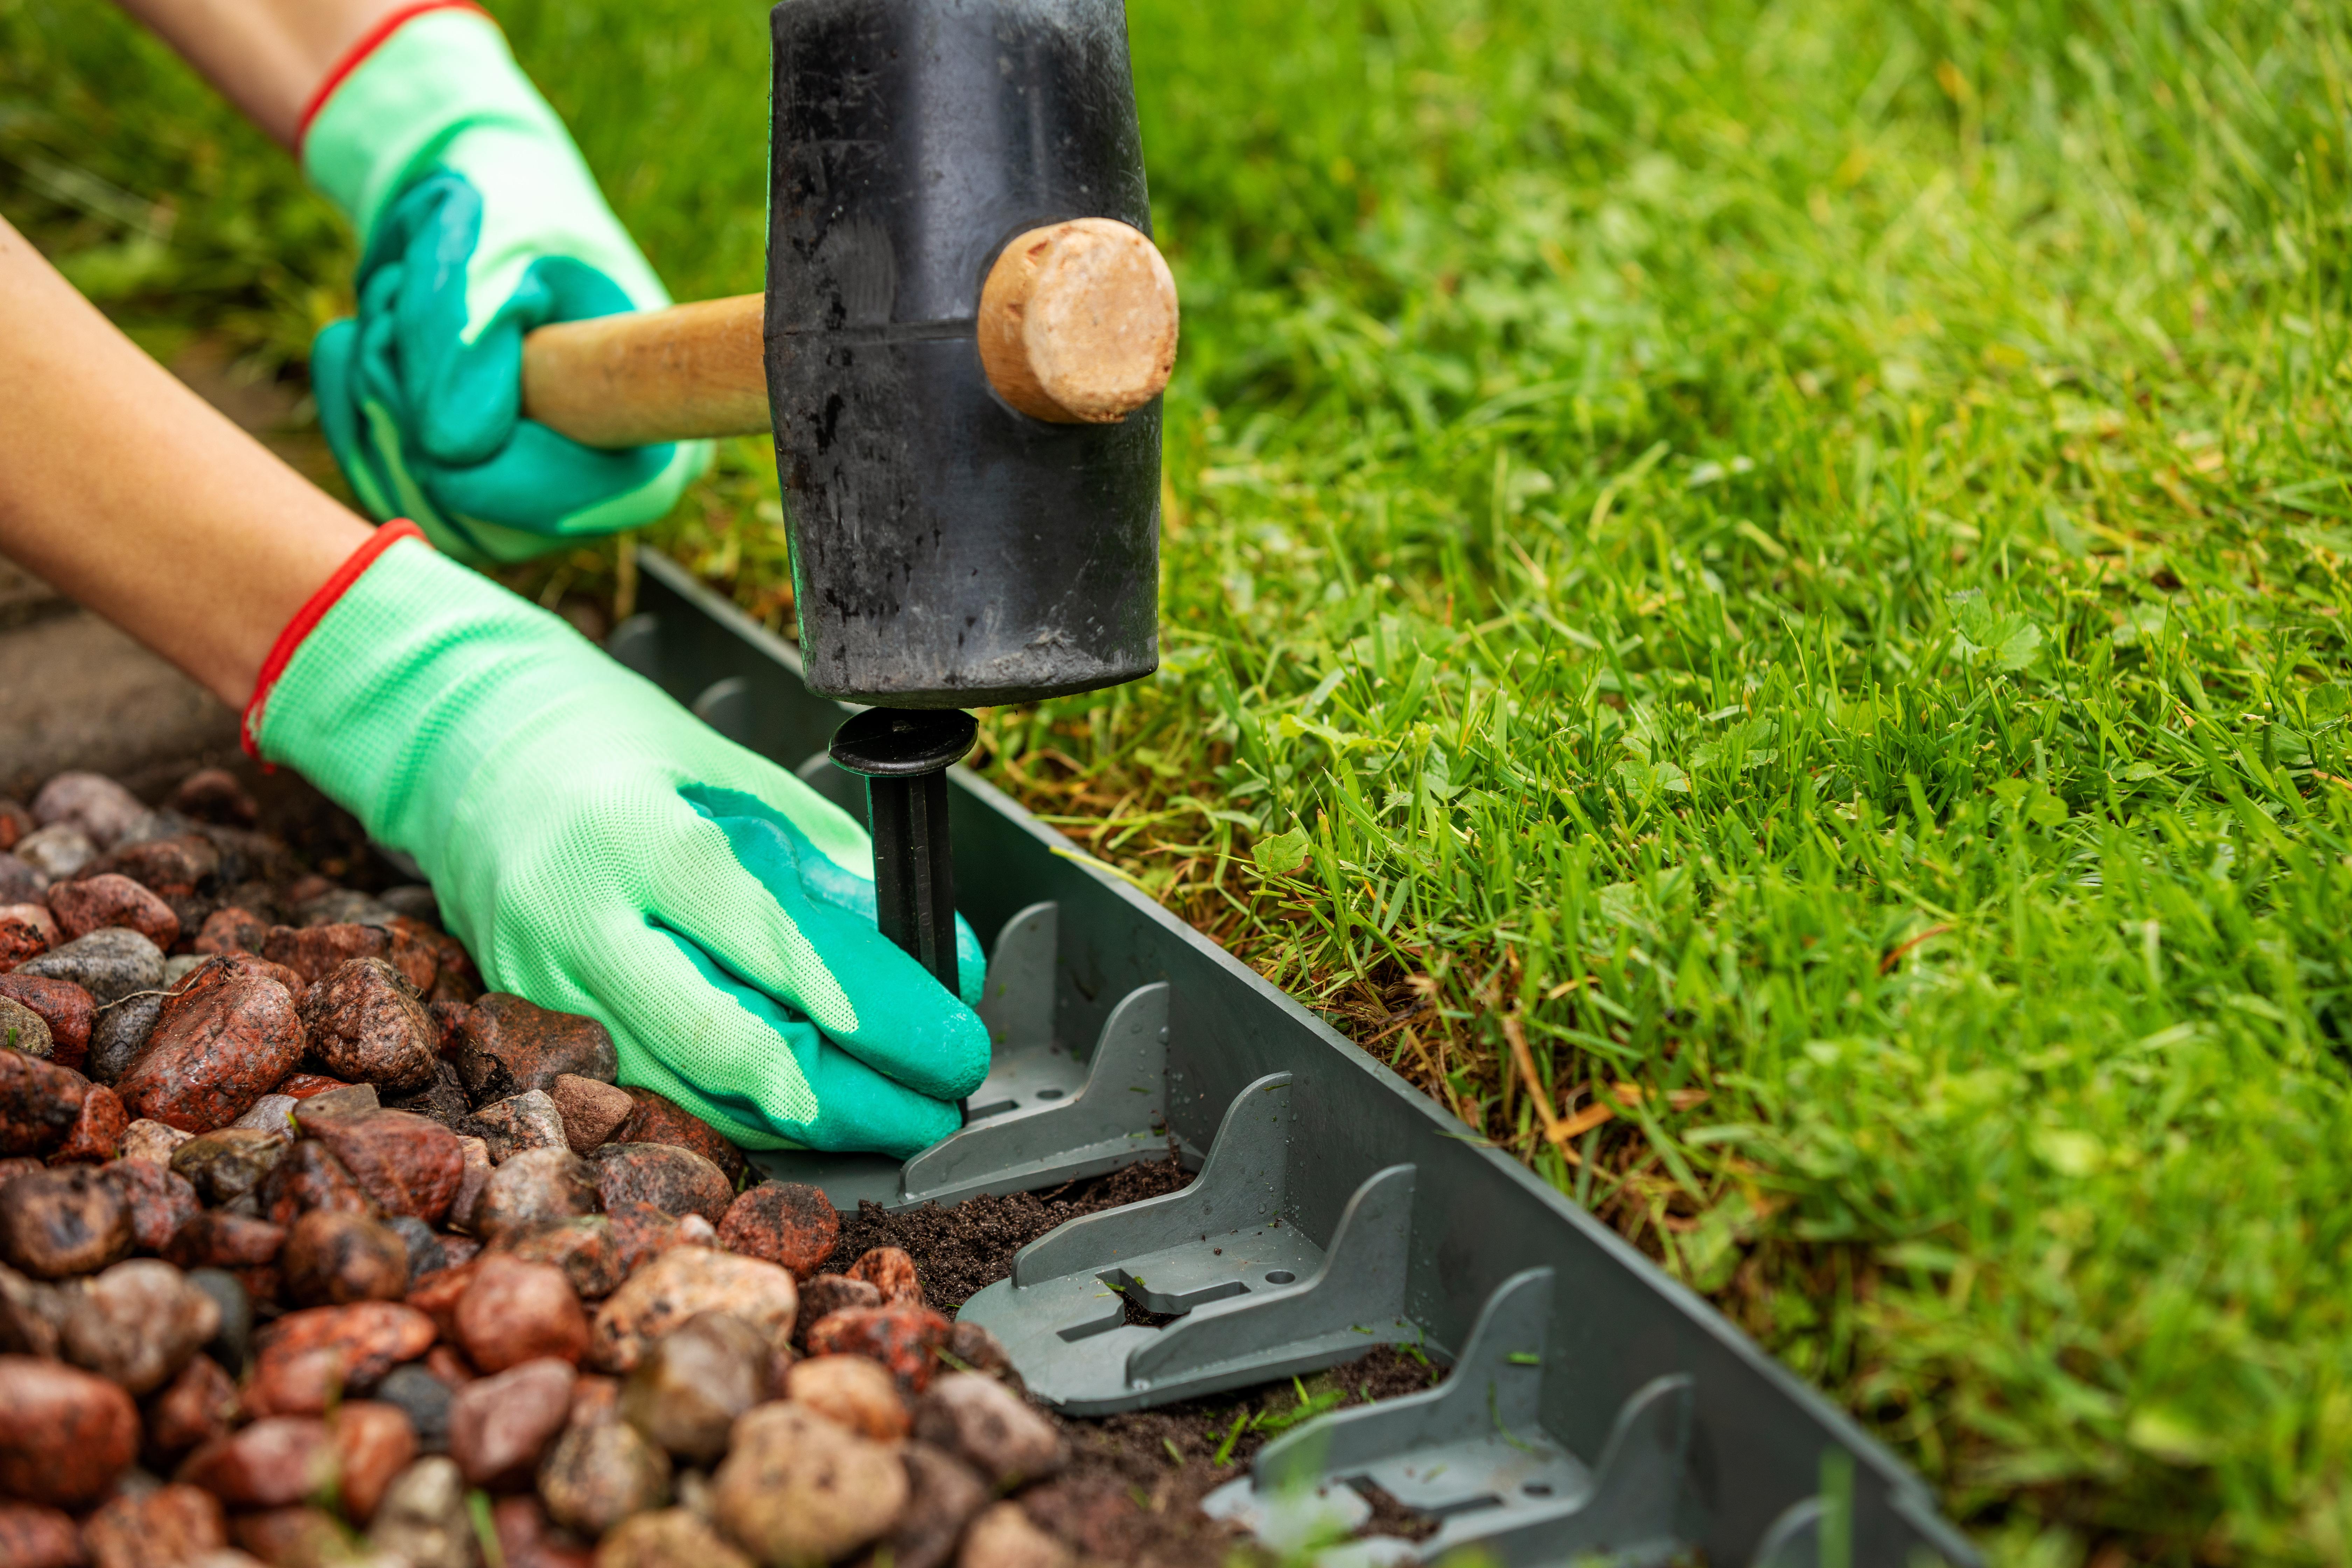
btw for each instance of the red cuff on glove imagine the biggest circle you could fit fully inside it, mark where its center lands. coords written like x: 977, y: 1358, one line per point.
x: 369, y: 41
x: 313, y: 610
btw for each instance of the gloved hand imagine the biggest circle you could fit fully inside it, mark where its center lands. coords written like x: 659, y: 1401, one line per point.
x: 478, y: 222
x: 601, y: 851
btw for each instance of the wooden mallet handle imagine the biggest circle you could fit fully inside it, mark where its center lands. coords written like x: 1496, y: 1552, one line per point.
x: 1077, y: 325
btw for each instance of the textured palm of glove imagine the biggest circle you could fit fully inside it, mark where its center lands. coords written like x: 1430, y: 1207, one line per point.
x: 479, y: 222
x: 601, y: 851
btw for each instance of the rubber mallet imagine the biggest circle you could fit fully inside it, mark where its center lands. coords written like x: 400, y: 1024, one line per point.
x: 959, y: 353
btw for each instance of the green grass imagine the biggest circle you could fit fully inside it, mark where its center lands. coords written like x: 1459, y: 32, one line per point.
x: 1792, y: 557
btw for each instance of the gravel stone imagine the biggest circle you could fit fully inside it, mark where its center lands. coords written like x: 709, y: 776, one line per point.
x: 91, y: 803
x: 905, y: 1340
x: 443, y: 1099
x: 592, y: 1111
x: 151, y: 1141
x: 163, y: 1528
x: 990, y: 1427
x: 32, y: 1315
x: 367, y: 1026
x: 231, y: 1344
x: 414, y: 899
x: 32, y: 1536
x: 979, y: 1349
x: 110, y: 898
x: 673, y: 1179
x: 796, y: 1488
x: 307, y: 1179
x: 889, y: 1270
x: 22, y: 1030
x: 69, y: 1432
x: 530, y: 1540
x: 223, y: 1166
x: 473, y: 1183
x: 138, y: 1324
x: 231, y: 930
x: 678, y: 1284
x: 304, y: 1358
x: 119, y: 1033
x: 55, y: 1223
x: 406, y: 1162
x: 63, y: 1006
x: 1003, y: 1537
x: 96, y: 1136
x: 272, y: 1113
x: 193, y: 1408
x: 667, y: 1538
x: 423, y: 1521
x: 316, y: 952
x: 942, y: 1495
x: 517, y: 1125
x: 333, y: 1258
x: 507, y: 1046
x: 500, y: 1427
x: 246, y: 1246
x: 686, y: 1391
x: 599, y: 1474
x: 373, y: 1443
x: 425, y: 1400
x: 342, y: 906
x: 657, y: 1120
x: 110, y: 964
x: 586, y: 1248
x: 277, y: 1460
x: 515, y: 1312
x: 222, y: 1046
x: 827, y: 1294
x: 538, y: 1184
x: 56, y: 852
x: 27, y: 931
x: 336, y: 1098
x: 178, y: 866
x: 295, y: 1536
x: 213, y: 794
x: 426, y: 1252
x: 853, y: 1390
x: 20, y: 883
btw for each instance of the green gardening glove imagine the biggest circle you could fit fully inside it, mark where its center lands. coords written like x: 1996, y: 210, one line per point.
x: 478, y: 222
x: 601, y: 851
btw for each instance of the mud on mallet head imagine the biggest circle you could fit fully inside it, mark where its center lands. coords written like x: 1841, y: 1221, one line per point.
x: 959, y: 353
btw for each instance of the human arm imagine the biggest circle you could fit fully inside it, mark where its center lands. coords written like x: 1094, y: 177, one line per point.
x: 131, y: 494
x: 267, y: 57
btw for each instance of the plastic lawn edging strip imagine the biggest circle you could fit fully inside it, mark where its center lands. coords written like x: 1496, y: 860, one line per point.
x: 1635, y: 1423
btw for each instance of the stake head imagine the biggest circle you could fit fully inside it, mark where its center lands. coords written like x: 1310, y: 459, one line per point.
x: 904, y: 743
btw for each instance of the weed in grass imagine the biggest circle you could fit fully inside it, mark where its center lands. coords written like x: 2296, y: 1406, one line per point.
x: 1753, y: 599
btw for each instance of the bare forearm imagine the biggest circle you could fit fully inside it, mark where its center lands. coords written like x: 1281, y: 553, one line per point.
x: 267, y: 57
x: 128, y: 492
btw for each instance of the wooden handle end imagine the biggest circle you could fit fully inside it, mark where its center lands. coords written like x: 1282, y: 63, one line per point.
x: 1078, y: 322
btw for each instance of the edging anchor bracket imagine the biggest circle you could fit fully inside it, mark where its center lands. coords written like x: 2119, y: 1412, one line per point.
x: 1041, y: 1117
x: 1256, y: 1297
x: 1474, y: 1452
x: 1115, y: 1117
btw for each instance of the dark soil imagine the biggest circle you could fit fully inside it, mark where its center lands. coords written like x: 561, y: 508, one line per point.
x: 958, y: 1250
x: 1133, y: 1490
